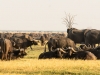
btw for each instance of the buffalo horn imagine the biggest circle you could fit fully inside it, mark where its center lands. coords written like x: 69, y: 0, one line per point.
x: 62, y: 50
x: 73, y: 50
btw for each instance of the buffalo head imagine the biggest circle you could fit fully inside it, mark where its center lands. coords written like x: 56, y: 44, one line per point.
x: 70, y: 50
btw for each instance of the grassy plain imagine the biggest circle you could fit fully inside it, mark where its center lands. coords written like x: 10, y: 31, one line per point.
x: 30, y: 65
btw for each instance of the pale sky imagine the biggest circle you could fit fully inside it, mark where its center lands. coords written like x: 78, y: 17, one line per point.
x: 47, y: 15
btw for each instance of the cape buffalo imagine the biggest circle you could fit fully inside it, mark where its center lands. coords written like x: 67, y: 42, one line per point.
x: 23, y: 43
x: 61, y: 42
x: 42, y: 39
x: 57, y: 53
x: 18, y: 53
x: 6, y: 49
x: 92, y: 37
x: 85, y: 55
x: 76, y: 35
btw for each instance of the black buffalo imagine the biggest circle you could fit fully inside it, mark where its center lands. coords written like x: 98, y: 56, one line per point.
x: 23, y: 43
x: 86, y: 55
x: 76, y: 35
x: 18, y: 53
x: 92, y: 37
x: 42, y: 39
x: 61, y: 42
x: 57, y: 53
x: 95, y: 51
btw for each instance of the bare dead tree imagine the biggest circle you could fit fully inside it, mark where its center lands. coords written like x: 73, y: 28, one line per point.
x: 69, y: 20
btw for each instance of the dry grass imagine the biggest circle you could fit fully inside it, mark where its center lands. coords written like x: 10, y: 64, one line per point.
x: 30, y: 65
x: 24, y: 66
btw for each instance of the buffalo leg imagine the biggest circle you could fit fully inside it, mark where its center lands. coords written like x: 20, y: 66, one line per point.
x: 6, y: 56
x: 10, y: 55
x: 2, y: 56
x: 31, y: 48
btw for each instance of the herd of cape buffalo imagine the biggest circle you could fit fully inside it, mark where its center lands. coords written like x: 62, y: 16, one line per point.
x: 14, y: 45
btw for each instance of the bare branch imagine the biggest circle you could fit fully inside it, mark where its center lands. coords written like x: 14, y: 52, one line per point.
x: 69, y: 20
